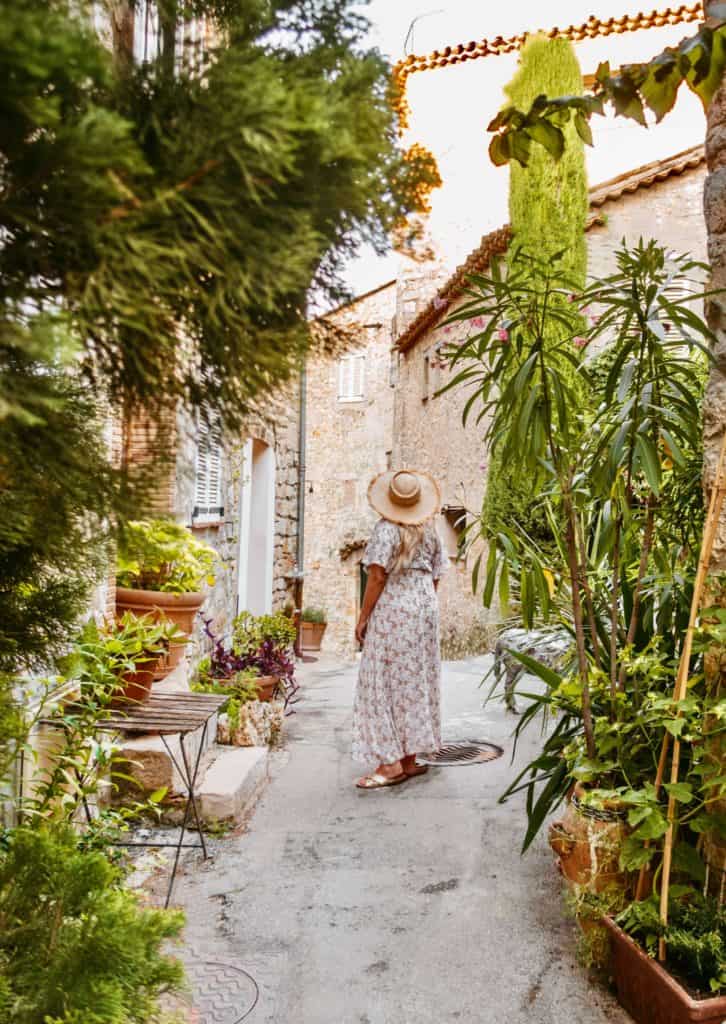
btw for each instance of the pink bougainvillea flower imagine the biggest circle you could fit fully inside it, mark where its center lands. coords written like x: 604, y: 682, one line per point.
x: 482, y: 465
x: 585, y: 309
x: 478, y: 321
x: 502, y: 334
x: 440, y: 303
x: 579, y: 342
x: 594, y: 320
x: 447, y: 330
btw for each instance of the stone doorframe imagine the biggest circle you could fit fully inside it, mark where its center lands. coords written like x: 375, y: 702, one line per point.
x: 256, y: 527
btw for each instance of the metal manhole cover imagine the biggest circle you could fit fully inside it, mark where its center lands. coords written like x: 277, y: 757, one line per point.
x: 223, y: 993
x: 470, y: 752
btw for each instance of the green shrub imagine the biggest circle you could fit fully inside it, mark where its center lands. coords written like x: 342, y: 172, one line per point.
x: 74, y: 945
x: 251, y: 631
x: 160, y: 554
x: 314, y: 615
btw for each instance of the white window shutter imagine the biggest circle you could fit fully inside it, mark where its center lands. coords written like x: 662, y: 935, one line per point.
x: 351, y: 378
x: 214, y: 476
x: 359, y: 363
x: 208, y: 480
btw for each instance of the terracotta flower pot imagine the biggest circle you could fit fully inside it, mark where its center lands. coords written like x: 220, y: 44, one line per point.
x: 587, y: 843
x: 649, y: 993
x: 180, y: 609
x: 135, y: 687
x: 312, y: 635
x: 170, y: 660
x: 266, y: 686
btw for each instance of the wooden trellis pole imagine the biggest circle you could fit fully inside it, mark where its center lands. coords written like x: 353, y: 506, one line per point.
x: 710, y: 527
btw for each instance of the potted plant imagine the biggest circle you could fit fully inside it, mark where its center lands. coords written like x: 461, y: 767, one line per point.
x: 313, y: 624
x: 120, y: 658
x: 161, y: 570
x: 691, y: 985
x: 263, y: 643
x: 613, y: 443
x: 246, y: 720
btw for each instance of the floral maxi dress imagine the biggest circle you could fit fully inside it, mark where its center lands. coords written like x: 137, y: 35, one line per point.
x: 397, y: 703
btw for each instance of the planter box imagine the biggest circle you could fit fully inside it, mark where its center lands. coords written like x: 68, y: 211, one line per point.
x: 311, y: 637
x: 649, y: 993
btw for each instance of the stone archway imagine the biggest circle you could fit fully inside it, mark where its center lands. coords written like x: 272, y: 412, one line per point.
x: 257, y: 528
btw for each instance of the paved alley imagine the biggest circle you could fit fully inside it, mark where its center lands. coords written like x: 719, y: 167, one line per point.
x: 409, y: 905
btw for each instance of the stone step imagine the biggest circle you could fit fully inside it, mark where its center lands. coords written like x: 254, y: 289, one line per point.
x: 232, y: 783
x: 151, y: 765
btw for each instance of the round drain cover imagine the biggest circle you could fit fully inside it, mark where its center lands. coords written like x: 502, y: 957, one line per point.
x: 222, y: 993
x: 468, y: 752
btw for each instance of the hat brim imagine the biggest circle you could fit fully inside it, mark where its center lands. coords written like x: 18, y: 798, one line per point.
x: 428, y: 504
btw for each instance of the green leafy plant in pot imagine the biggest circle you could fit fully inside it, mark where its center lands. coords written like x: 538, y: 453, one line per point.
x: 161, y: 570
x: 612, y: 444
x: 313, y: 623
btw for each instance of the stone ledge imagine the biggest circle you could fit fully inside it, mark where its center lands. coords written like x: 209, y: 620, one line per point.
x: 233, y: 783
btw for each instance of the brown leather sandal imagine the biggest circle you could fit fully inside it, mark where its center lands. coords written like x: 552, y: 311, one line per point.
x: 418, y: 769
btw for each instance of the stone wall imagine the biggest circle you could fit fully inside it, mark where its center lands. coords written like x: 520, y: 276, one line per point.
x: 347, y: 444
x: 429, y: 435
x: 670, y: 211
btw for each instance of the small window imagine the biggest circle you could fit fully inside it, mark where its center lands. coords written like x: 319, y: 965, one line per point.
x: 454, y: 531
x: 433, y: 364
x: 352, y: 378
x: 208, y: 482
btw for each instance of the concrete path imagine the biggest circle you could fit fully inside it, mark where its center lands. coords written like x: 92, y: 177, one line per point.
x: 405, y: 906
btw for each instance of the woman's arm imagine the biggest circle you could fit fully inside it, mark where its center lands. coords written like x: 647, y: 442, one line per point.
x: 374, y: 588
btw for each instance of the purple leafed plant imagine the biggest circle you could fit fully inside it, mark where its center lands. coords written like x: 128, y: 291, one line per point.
x: 268, y: 660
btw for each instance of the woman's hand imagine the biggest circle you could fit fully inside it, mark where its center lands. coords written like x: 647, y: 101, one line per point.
x: 360, y: 630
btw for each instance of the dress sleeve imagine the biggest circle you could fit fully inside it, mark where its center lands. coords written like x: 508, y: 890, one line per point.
x: 383, y: 545
x: 438, y: 562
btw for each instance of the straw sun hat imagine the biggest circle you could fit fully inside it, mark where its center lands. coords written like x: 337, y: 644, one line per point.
x: 405, y: 496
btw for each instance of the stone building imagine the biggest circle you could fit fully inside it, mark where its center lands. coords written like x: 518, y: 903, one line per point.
x: 396, y: 417
x: 349, y: 438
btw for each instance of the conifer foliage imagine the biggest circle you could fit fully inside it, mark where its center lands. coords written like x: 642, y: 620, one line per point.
x: 548, y: 202
x: 163, y: 223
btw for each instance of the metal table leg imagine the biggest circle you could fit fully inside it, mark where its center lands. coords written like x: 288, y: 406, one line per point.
x: 190, y: 782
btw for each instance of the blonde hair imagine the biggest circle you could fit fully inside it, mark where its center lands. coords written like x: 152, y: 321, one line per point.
x: 412, y: 537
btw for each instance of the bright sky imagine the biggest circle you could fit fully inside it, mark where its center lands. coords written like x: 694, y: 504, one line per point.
x: 452, y: 106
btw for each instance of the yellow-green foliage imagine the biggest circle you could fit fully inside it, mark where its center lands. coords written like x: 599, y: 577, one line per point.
x: 548, y: 198
x: 548, y: 205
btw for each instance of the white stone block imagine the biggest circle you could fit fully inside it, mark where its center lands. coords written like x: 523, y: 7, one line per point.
x: 233, y: 783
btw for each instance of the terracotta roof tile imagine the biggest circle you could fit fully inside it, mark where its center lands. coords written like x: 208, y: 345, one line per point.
x: 496, y: 242
x: 590, y: 29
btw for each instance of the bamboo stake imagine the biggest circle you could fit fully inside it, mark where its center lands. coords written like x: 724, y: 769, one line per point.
x: 718, y: 493
x: 712, y: 516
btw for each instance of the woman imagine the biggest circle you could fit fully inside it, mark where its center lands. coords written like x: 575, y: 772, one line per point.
x: 397, y: 704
